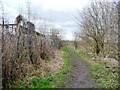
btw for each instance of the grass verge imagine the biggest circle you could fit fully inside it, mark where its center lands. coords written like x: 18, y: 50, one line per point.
x: 103, y: 77
x: 55, y: 81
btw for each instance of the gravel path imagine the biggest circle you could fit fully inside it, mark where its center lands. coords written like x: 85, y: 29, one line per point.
x: 80, y: 78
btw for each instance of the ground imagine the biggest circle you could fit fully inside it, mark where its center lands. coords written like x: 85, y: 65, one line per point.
x: 79, y: 78
x: 68, y: 69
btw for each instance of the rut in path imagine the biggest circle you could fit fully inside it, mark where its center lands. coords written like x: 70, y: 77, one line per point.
x: 80, y: 78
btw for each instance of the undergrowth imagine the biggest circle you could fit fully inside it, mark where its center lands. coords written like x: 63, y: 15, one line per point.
x: 103, y: 77
x: 54, y: 81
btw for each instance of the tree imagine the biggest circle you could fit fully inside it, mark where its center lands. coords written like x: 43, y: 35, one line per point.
x: 76, y: 39
x: 97, y: 22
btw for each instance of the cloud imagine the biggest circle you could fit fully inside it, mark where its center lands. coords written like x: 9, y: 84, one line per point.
x: 61, y: 5
x: 68, y: 24
x: 68, y: 33
x: 58, y: 12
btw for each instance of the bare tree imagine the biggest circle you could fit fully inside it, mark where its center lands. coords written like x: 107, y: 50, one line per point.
x: 76, y: 39
x: 97, y: 22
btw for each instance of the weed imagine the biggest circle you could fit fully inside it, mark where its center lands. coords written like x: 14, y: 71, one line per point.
x: 99, y: 73
x: 55, y: 81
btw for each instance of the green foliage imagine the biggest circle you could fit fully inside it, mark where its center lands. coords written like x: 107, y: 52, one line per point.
x: 41, y: 83
x: 103, y: 77
x: 65, y: 50
x: 55, y: 81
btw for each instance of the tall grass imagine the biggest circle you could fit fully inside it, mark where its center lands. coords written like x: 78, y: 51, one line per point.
x: 54, y: 81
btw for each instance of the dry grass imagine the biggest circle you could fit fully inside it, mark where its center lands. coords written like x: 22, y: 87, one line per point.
x: 45, y: 68
x: 56, y: 62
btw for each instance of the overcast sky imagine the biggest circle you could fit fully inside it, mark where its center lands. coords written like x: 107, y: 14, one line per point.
x: 59, y: 12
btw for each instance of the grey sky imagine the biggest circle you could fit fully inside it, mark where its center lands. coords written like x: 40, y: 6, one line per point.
x: 59, y: 12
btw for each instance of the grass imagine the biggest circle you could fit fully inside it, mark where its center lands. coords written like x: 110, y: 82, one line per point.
x: 104, y: 78
x: 55, y: 81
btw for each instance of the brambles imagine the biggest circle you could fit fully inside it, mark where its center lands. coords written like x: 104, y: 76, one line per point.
x: 24, y: 51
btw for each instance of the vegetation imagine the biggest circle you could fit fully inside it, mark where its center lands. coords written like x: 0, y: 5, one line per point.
x: 98, y: 35
x: 98, y: 27
x: 54, y: 81
x: 29, y: 43
x: 104, y: 78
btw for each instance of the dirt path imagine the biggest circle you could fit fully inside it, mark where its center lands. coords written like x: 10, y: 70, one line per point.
x: 80, y: 78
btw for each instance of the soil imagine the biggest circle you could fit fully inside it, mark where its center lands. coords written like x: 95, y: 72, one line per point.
x: 79, y: 78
